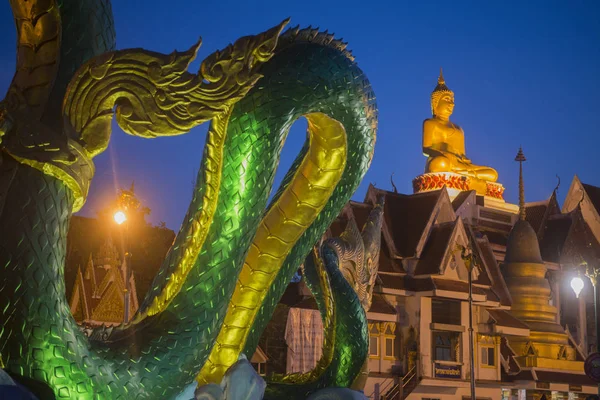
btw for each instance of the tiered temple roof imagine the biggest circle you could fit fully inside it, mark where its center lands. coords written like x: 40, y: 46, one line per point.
x: 99, y: 293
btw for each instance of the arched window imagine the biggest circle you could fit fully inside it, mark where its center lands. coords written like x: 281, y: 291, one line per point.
x: 389, y: 341
x: 374, y: 334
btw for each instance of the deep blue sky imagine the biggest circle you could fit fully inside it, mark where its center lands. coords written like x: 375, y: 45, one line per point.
x: 522, y: 74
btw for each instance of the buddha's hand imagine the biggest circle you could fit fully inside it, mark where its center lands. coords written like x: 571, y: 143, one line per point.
x: 464, y: 159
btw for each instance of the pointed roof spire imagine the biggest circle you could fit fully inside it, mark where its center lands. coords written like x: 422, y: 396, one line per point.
x: 393, y: 185
x: 521, y: 158
x: 557, y: 185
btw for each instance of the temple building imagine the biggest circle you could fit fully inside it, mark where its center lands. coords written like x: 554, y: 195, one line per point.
x: 531, y: 333
x: 103, y: 289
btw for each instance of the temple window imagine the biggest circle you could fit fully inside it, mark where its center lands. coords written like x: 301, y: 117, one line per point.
x: 374, y: 340
x: 389, y: 340
x: 488, y: 356
x: 446, y: 346
x: 382, y: 340
x: 487, y: 351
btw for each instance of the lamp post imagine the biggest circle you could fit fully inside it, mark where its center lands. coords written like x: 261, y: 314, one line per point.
x: 120, y: 218
x: 577, y: 285
x: 469, y: 260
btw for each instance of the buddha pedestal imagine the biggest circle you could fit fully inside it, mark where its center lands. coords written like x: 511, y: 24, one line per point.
x: 456, y: 183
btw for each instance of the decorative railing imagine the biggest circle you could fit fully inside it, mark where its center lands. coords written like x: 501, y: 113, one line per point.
x: 410, y: 376
x: 393, y: 393
x: 384, y: 387
x: 409, y: 381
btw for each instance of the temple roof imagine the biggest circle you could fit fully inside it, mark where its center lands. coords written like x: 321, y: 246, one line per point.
x: 461, y: 198
x: 554, y: 236
x: 361, y: 213
x: 493, y: 272
x: 352, y: 210
x: 538, y: 375
x: 406, y: 217
x: 504, y: 318
x: 510, y: 365
x: 381, y: 306
x: 386, y: 262
x: 427, y: 284
x: 535, y: 215
x: 495, y: 237
x: 98, y: 293
x: 435, y: 248
x: 593, y: 193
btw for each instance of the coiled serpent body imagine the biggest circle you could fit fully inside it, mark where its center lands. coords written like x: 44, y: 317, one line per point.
x: 234, y: 254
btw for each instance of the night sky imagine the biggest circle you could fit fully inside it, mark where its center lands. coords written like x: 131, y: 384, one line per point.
x: 523, y: 75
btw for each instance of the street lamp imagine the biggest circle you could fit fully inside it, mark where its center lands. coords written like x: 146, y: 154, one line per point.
x: 120, y: 217
x: 469, y: 260
x: 577, y: 285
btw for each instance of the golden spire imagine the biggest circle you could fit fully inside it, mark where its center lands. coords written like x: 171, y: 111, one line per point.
x: 527, y: 281
x: 439, y: 91
x: 520, y: 158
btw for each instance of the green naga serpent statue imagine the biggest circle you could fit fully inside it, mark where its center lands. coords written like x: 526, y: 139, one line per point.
x: 235, y: 252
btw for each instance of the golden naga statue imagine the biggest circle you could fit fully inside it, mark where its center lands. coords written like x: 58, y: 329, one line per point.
x: 444, y: 142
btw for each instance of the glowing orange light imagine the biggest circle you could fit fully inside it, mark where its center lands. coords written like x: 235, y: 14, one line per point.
x: 120, y: 217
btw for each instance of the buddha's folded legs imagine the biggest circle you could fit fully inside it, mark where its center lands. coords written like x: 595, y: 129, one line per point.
x: 486, y: 174
x: 440, y: 164
x: 449, y: 163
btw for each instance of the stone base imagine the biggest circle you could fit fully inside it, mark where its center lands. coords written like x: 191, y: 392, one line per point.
x: 457, y: 183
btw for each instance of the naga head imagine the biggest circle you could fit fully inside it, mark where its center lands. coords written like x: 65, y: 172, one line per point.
x: 154, y: 94
x: 358, y: 253
x: 240, y: 61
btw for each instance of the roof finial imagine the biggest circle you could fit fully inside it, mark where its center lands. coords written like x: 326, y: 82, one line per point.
x: 557, y: 185
x: 520, y: 158
x: 393, y: 185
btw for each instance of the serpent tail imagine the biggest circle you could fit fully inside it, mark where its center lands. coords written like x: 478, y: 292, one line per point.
x: 345, y: 347
x: 340, y: 276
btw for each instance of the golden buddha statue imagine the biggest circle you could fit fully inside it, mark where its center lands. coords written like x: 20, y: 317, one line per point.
x: 444, y: 142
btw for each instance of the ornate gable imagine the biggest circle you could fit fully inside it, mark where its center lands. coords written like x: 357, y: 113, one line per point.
x: 453, y: 266
x: 89, y: 273
x: 584, y: 197
x: 442, y: 252
x: 98, y: 296
x: 111, y: 308
x: 79, y: 303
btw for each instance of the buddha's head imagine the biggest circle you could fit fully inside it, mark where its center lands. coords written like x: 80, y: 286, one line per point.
x: 442, y: 98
